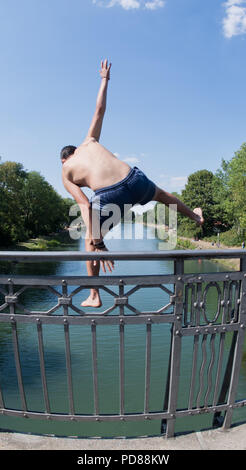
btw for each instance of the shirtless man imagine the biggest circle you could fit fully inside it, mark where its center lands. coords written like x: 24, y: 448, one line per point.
x: 113, y: 181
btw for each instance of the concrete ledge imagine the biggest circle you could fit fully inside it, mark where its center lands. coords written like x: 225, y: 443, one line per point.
x: 217, y: 439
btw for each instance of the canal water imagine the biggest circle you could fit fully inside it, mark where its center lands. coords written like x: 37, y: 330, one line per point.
x: 108, y: 353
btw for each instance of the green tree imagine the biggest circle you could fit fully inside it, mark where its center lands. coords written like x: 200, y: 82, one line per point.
x: 198, y: 192
x: 230, y: 191
x: 12, y: 180
x: 222, y: 196
x: 237, y: 187
x: 29, y: 205
x: 44, y: 209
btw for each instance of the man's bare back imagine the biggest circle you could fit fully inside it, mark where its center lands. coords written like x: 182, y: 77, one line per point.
x: 94, y: 166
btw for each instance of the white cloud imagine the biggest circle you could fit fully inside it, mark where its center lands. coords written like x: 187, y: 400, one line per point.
x: 154, y: 4
x: 177, y: 183
x: 172, y: 183
x: 131, y: 4
x: 131, y: 160
x: 234, y: 23
x: 126, y: 4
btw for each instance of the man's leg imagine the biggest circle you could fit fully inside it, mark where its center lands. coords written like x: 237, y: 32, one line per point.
x: 167, y: 198
x: 93, y: 268
x: 95, y: 234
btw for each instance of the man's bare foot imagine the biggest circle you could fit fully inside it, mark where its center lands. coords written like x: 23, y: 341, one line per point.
x: 199, y: 218
x: 93, y: 300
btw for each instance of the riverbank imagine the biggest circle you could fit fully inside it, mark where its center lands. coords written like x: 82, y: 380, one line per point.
x: 205, y: 245
x: 186, y: 243
x: 61, y: 240
x: 55, y: 241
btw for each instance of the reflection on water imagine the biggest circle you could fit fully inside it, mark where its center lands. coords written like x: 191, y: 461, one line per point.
x: 108, y: 353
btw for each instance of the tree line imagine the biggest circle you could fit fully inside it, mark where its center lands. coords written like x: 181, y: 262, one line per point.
x: 222, y: 196
x: 29, y: 205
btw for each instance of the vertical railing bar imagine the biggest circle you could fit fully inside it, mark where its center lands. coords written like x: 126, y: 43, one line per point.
x: 94, y: 367
x: 202, y: 369
x: 18, y: 365
x: 147, y: 366
x: 177, y: 268
x: 121, y: 294
x: 198, y: 304
x: 234, y: 375
x: 219, y: 368
x: 1, y: 400
x: 233, y: 309
x: 11, y: 292
x: 122, y: 351
x: 225, y: 303
x: 69, y: 367
x: 227, y: 378
x: 122, y: 367
x: 237, y: 359
x: 42, y: 366
x: 192, y: 313
x: 176, y: 348
x: 236, y: 303
x: 210, y: 368
x: 186, y: 303
x: 194, y: 368
x: 64, y: 293
x: 2, y: 405
x: 166, y: 397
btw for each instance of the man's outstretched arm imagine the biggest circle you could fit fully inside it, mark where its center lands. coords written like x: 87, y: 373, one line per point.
x: 97, y: 120
x: 86, y: 212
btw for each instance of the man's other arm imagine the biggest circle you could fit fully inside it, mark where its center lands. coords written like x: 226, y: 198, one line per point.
x: 82, y: 201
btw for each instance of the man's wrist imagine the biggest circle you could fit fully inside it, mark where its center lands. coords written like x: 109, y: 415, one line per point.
x: 99, y: 244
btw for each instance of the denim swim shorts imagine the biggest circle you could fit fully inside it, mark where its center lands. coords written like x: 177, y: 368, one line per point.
x: 135, y: 188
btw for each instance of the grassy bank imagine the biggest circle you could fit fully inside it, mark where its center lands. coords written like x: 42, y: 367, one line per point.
x: 232, y: 264
x: 53, y: 242
x: 188, y: 243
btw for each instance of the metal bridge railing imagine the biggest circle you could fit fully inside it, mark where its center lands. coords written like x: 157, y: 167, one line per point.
x: 185, y: 311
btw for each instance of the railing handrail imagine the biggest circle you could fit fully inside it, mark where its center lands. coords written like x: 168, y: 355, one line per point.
x: 24, y: 256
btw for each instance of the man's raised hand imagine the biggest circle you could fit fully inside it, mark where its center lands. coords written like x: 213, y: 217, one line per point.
x: 105, y: 69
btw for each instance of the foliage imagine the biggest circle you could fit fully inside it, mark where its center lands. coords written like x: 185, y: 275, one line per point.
x: 29, y: 205
x: 12, y: 180
x: 231, y: 238
x: 221, y: 195
x: 183, y: 244
x: 230, y: 192
x: 198, y: 192
x: 237, y: 187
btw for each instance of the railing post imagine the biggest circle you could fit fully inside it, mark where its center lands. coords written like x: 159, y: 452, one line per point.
x: 175, y: 353
x: 238, y: 348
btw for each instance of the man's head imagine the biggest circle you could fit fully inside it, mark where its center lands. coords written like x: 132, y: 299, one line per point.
x: 66, y: 152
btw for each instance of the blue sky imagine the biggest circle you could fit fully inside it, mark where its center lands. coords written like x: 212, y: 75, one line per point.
x: 176, y: 99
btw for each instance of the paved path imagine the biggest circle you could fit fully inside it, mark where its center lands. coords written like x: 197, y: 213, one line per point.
x: 217, y: 439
